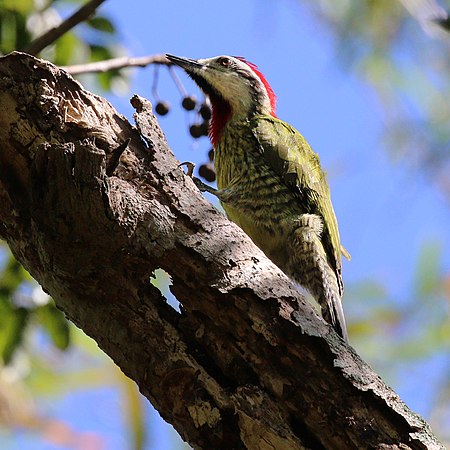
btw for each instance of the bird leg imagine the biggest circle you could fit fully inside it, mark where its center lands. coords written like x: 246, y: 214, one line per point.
x: 202, y: 187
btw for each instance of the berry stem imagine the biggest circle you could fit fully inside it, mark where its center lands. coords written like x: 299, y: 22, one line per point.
x: 177, y: 81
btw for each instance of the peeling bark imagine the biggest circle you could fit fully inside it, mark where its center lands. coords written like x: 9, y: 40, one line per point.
x: 247, y: 363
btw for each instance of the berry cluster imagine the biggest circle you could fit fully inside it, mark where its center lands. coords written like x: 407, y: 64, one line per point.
x: 189, y: 103
x: 199, y: 128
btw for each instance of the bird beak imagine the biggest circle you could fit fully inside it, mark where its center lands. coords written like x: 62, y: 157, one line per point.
x: 185, y: 63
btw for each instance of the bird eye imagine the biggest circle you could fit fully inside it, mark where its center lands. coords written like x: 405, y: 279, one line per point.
x: 225, y: 62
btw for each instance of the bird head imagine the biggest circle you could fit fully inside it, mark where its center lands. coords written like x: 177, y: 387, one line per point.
x: 235, y: 87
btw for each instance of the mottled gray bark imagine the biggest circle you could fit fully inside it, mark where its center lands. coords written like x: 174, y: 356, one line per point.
x: 247, y: 363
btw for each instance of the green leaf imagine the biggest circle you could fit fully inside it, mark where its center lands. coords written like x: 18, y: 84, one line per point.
x: 101, y: 24
x: 65, y: 48
x: 21, y: 6
x: 100, y: 52
x: 55, y: 324
x: 13, y: 275
x: 428, y: 271
x: 8, y: 29
x: 13, y: 322
x: 13, y: 31
x: 104, y: 79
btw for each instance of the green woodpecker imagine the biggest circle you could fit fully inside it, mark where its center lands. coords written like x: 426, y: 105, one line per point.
x: 270, y: 182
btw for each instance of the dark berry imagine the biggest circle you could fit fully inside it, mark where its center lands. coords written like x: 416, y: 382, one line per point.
x: 207, y: 172
x: 211, y: 155
x: 196, y: 130
x: 162, y: 108
x: 189, y: 103
x: 205, y: 111
x: 205, y: 128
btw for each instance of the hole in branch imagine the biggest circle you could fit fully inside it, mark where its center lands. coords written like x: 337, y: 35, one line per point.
x: 162, y: 281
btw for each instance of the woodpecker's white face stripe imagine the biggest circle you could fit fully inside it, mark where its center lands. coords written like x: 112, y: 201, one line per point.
x: 236, y: 82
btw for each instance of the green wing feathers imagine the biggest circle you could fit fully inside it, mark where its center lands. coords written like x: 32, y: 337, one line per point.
x: 292, y: 158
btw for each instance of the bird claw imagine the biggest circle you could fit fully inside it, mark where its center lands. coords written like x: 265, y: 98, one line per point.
x: 190, y: 168
x: 202, y: 187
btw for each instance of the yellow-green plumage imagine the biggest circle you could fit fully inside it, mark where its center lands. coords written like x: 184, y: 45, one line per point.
x: 270, y: 181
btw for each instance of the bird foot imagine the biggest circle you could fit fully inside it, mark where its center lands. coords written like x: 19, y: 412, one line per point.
x: 190, y: 168
x: 202, y: 187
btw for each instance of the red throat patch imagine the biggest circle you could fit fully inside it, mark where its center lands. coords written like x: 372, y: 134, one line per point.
x: 221, y: 113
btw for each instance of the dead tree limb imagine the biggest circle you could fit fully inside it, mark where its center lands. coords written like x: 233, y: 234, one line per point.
x: 117, y: 63
x: 247, y: 363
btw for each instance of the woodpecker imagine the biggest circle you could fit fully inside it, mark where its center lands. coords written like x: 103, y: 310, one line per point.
x: 269, y: 180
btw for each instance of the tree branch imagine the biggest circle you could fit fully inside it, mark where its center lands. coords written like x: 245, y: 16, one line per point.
x: 246, y: 363
x: 55, y: 33
x: 116, y: 63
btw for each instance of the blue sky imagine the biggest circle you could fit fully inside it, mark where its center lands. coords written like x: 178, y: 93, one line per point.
x: 376, y: 201
x: 386, y: 212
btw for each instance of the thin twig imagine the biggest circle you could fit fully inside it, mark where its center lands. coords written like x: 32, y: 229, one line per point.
x: 155, y: 82
x: 177, y: 81
x: 116, y: 63
x: 53, y: 34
